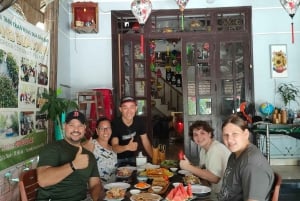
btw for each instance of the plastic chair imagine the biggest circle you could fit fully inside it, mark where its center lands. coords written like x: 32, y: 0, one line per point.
x: 28, y: 185
x: 276, y: 187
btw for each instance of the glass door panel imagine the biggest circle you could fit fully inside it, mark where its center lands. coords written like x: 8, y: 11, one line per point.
x: 233, y: 73
x: 191, y: 91
x: 128, y: 73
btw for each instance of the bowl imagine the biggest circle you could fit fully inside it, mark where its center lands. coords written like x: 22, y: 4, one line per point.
x: 173, y: 169
x: 134, y: 191
x: 156, y: 189
x: 142, y: 178
x: 175, y: 184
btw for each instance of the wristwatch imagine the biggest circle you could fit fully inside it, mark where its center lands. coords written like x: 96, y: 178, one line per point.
x: 72, y: 166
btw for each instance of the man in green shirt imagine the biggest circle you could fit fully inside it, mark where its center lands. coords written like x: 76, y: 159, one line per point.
x: 66, y: 171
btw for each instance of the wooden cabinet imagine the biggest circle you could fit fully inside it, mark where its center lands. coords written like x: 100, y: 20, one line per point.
x: 85, y: 17
x: 215, y: 60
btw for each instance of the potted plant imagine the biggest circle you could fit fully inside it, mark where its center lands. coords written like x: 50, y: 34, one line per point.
x: 55, y: 107
x: 288, y: 93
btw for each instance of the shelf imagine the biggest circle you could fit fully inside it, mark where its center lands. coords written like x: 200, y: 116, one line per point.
x: 85, y: 17
x: 90, y: 29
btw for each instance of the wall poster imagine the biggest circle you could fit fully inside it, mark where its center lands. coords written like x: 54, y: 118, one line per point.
x: 279, y: 67
x: 24, y: 75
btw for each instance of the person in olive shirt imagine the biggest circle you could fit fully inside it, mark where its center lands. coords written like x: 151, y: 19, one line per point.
x: 66, y: 171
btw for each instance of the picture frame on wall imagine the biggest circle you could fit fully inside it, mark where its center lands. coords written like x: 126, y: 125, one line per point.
x: 278, y: 60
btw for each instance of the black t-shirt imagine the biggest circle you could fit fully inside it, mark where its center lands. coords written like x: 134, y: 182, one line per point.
x: 125, y: 133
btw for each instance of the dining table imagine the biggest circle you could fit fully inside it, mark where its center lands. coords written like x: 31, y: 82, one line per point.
x: 175, y: 178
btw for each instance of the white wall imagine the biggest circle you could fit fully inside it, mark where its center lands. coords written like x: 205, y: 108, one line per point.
x: 88, y: 60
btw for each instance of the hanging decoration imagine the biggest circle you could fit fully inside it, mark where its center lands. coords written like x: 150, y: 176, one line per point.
x: 182, y: 5
x: 141, y: 9
x: 152, y: 56
x: 291, y: 7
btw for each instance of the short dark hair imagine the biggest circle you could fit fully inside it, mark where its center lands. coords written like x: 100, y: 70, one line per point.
x: 201, y: 125
x: 95, y: 136
x: 102, y: 119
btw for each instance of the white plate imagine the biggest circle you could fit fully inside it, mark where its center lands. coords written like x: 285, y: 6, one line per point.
x: 107, y: 199
x: 200, y: 189
x: 151, y: 166
x: 184, y: 172
x: 132, y: 168
x: 146, y: 196
x: 117, y: 184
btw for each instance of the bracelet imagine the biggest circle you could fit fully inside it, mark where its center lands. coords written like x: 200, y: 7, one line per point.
x: 72, y: 166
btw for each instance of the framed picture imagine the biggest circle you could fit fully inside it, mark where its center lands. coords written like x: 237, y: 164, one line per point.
x: 279, y: 65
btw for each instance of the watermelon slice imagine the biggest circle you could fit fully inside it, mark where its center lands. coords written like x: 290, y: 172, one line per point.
x: 170, y: 195
x: 189, y: 190
x: 184, y: 194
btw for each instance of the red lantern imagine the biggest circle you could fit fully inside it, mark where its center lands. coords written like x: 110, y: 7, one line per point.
x: 141, y: 9
x: 291, y: 7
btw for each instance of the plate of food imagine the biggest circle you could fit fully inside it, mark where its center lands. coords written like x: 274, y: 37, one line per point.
x: 169, y: 164
x: 145, y: 197
x: 115, y: 194
x: 132, y: 168
x: 191, y: 179
x: 159, y: 172
x: 142, y: 185
x: 121, y: 185
x: 124, y: 172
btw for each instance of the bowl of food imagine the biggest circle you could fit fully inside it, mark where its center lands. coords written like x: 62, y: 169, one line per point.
x: 156, y: 189
x: 134, y: 191
x: 115, y: 193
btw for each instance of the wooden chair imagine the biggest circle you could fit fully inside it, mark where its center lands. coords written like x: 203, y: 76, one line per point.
x: 276, y: 187
x: 28, y: 185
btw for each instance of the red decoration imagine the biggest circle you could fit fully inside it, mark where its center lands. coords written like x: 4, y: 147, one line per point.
x: 291, y: 7
x: 181, y: 155
x: 141, y: 9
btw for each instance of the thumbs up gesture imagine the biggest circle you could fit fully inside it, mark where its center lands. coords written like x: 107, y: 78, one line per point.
x: 81, y: 161
x: 132, y: 146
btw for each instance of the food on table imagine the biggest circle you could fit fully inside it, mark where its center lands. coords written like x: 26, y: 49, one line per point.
x: 160, y: 181
x: 191, y: 179
x: 159, y: 172
x: 124, y: 172
x: 169, y: 164
x: 142, y: 185
x: 145, y: 197
x: 154, y: 172
x: 179, y: 193
x: 115, y: 193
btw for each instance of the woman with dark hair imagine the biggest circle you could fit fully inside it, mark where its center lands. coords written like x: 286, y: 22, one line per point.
x: 213, y: 155
x: 248, y: 176
x: 102, y: 150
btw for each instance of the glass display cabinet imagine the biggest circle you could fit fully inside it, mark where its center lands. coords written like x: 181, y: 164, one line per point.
x: 216, y: 61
